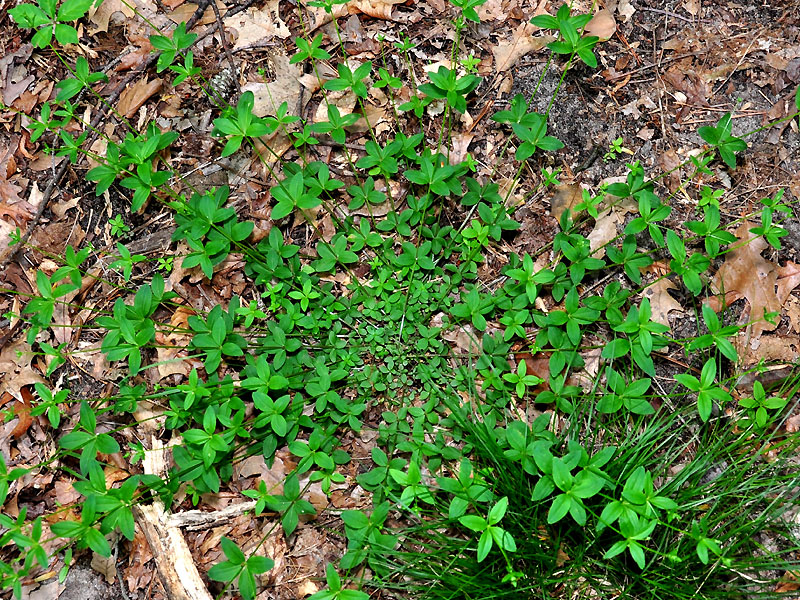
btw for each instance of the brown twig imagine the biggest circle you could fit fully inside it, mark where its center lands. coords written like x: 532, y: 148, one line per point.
x: 225, y: 45
x: 672, y: 14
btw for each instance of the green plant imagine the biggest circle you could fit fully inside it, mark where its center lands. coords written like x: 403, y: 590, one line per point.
x: 241, y: 568
x: 719, y: 137
x: 616, y: 148
x: 50, y: 22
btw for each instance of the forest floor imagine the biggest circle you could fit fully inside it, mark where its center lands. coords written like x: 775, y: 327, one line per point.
x: 666, y: 69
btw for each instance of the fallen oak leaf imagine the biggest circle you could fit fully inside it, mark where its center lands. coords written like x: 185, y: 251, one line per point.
x: 747, y: 274
x: 567, y: 195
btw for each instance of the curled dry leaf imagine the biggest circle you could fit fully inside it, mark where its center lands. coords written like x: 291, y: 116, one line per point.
x: 255, y: 25
x: 99, y: 16
x: 287, y: 87
x: 379, y: 9
x: 788, y: 280
x: 172, y: 346
x: 16, y: 370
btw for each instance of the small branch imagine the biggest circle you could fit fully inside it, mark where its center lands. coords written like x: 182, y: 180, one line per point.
x: 221, y: 29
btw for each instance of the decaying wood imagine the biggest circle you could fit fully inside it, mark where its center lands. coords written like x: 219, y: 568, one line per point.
x: 174, y: 562
x: 198, y: 519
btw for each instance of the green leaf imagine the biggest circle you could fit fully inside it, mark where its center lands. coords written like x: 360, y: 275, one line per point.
x: 473, y: 522
x: 498, y: 511
x: 484, y: 545
x: 232, y: 551
x: 559, y: 508
x: 224, y: 571
x: 72, y: 10
x: 28, y: 16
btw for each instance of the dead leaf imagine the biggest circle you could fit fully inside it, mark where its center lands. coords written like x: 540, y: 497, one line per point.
x: 255, y: 25
x: 306, y: 588
x: 788, y: 279
x: 696, y: 88
x: 9, y: 192
x: 670, y: 163
x: 602, y: 25
x: 692, y: 7
x: 44, y: 162
x: 286, y: 88
x: 107, y: 567
x: 747, y: 274
x: 134, y: 96
x: 22, y: 411
x: 99, y: 16
x: 605, y: 230
x: 461, y: 142
x: 492, y: 10
x: 661, y: 303
x: 625, y: 10
x: 508, y: 52
x: 16, y: 370
x: 379, y: 9
x: 776, y: 347
x: 567, y: 195
x: 171, y: 347
x: 792, y: 309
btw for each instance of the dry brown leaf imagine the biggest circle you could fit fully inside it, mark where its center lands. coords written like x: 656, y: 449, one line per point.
x: 184, y: 11
x: 255, y: 25
x: 792, y: 310
x: 625, y: 10
x: 16, y: 370
x: 567, y: 195
x: 9, y: 192
x: 492, y: 10
x: 306, y: 588
x: 99, y: 17
x: 508, y: 52
x: 605, y: 230
x: 22, y: 411
x: 747, y: 274
x: 696, y: 88
x: 670, y: 163
x: 379, y: 9
x: 171, y: 347
x: 692, y: 7
x: 134, y: 96
x: 45, y: 162
x: 602, y: 25
x: 661, y: 303
x: 775, y: 347
x: 107, y: 567
x: 788, y: 279
x: 267, y: 97
x: 461, y: 142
